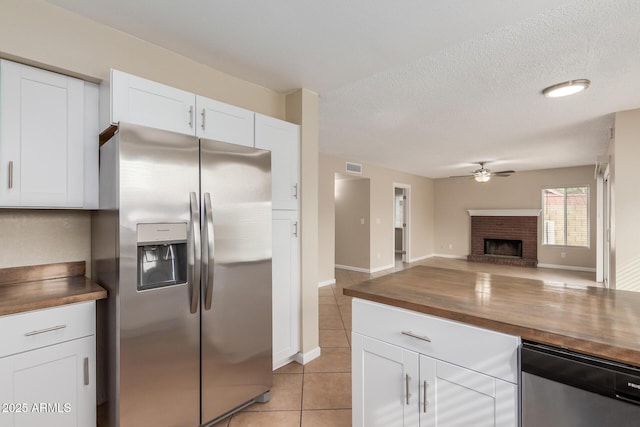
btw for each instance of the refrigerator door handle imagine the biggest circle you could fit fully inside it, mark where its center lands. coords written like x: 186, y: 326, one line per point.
x: 193, y: 253
x: 208, y: 257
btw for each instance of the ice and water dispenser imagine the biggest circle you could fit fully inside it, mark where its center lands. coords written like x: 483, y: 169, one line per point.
x: 162, y: 255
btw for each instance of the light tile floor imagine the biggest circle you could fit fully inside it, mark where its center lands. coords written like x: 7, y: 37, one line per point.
x: 319, y: 393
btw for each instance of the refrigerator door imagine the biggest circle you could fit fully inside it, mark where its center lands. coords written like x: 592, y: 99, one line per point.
x: 159, y: 325
x: 236, y: 276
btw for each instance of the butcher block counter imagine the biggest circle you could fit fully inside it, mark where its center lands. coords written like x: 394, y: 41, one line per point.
x: 42, y: 286
x: 591, y: 320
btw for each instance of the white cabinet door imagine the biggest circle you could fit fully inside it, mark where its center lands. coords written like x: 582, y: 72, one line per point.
x: 42, y: 137
x: 148, y: 103
x: 283, y: 140
x: 223, y: 122
x: 385, y: 384
x: 52, y: 386
x: 459, y: 397
x: 286, y: 286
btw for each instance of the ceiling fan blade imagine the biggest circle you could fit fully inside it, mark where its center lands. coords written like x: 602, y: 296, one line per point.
x: 462, y: 176
x: 500, y: 176
x: 500, y: 172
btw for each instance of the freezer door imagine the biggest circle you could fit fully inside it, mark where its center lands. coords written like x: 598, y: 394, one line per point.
x: 236, y: 276
x: 159, y: 326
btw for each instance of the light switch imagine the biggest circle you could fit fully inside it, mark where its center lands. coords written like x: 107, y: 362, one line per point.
x: 362, y: 221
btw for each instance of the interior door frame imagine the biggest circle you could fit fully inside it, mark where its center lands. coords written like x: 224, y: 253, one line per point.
x: 406, y: 238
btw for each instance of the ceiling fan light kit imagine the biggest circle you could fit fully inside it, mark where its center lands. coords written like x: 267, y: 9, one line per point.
x: 483, y: 174
x: 566, y: 88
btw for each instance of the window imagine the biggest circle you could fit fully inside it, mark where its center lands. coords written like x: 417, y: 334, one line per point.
x: 566, y: 216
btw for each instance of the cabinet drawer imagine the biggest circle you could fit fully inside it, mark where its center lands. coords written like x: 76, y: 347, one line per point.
x: 492, y: 353
x: 40, y: 328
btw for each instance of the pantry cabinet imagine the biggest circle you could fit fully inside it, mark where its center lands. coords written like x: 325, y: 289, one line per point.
x: 283, y: 140
x: 285, y: 285
x: 48, y: 139
x: 411, y: 369
x: 47, y: 368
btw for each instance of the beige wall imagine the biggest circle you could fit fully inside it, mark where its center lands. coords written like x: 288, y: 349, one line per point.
x: 302, y: 108
x: 520, y: 191
x: 41, y: 34
x: 352, y: 222
x: 382, y: 182
x: 627, y: 200
x: 31, y: 237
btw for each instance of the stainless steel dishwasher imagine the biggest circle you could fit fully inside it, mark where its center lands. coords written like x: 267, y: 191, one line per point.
x: 562, y: 388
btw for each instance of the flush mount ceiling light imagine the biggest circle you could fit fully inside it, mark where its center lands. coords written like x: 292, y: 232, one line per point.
x: 566, y: 88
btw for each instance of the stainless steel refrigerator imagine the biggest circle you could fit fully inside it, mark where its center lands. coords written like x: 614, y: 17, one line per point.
x: 182, y: 242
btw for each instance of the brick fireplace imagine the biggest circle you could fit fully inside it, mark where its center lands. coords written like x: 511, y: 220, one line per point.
x: 493, y: 231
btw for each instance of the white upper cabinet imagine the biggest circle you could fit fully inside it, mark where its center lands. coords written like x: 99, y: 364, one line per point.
x: 48, y: 139
x: 223, y: 122
x: 148, y: 103
x: 283, y: 139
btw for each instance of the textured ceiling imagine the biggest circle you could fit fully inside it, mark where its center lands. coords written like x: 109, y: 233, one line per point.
x: 427, y: 87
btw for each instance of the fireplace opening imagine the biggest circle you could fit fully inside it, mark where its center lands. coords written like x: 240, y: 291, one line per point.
x: 503, y: 248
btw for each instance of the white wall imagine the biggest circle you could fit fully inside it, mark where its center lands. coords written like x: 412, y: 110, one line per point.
x: 627, y: 201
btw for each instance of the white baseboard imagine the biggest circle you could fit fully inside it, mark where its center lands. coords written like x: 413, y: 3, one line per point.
x: 449, y: 256
x: 304, y: 358
x: 350, y: 268
x: 327, y: 283
x: 384, y: 267
x: 567, y: 267
x: 420, y: 258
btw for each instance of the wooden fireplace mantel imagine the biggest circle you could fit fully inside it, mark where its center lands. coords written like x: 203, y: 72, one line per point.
x: 504, y: 212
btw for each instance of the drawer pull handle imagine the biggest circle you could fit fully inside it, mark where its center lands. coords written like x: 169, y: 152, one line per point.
x: 407, y: 381
x: 86, y: 371
x: 42, y: 331
x: 420, y: 337
x: 424, y: 407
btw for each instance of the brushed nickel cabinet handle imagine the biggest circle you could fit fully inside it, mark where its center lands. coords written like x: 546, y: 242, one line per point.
x: 86, y: 371
x: 295, y: 229
x: 407, y: 381
x: 424, y: 392
x: 191, y: 116
x: 295, y: 191
x: 420, y: 337
x: 42, y: 331
x: 203, y: 114
x: 11, y: 174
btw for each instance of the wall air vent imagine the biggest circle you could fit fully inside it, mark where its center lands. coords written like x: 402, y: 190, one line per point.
x: 354, y: 168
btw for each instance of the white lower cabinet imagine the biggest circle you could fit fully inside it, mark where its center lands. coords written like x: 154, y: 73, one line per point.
x: 401, y: 383
x: 286, y: 286
x: 52, y: 382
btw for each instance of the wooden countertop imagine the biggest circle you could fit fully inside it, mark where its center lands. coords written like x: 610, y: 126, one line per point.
x: 597, y: 321
x: 42, y: 286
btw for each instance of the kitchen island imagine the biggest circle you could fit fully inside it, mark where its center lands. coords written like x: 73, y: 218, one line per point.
x: 426, y: 332
x: 596, y: 321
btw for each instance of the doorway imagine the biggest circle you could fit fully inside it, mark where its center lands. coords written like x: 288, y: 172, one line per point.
x: 401, y: 221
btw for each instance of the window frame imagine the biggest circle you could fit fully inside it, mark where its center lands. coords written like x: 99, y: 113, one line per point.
x: 542, y: 217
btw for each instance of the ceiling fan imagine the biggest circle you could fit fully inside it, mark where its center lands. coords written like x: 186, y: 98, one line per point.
x: 483, y: 174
